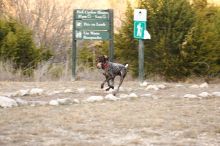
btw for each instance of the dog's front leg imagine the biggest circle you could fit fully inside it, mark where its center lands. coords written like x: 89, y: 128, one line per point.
x: 102, y: 85
x: 106, y: 78
x: 109, y: 85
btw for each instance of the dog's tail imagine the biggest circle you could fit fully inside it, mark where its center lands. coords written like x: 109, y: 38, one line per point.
x: 126, y: 65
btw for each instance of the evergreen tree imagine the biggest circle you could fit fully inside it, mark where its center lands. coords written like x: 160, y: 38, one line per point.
x: 16, y: 45
x: 125, y: 45
x: 202, y: 44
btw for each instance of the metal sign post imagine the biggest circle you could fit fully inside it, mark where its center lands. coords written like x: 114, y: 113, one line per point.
x: 91, y: 24
x: 141, y: 60
x: 111, y: 32
x: 140, y: 33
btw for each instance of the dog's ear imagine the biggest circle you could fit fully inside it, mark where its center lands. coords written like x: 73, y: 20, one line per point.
x: 106, y: 57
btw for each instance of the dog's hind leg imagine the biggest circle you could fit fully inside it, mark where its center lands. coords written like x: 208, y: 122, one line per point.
x: 121, y: 81
x: 123, y: 74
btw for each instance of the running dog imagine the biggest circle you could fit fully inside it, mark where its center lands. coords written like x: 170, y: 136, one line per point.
x: 111, y: 70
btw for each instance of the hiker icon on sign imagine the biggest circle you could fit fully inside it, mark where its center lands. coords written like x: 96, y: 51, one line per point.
x: 139, y: 30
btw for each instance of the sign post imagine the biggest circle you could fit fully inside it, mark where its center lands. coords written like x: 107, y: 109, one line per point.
x: 91, y: 24
x: 140, y: 33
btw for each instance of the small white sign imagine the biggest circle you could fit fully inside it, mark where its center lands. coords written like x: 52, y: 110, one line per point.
x: 140, y: 15
x: 147, y: 35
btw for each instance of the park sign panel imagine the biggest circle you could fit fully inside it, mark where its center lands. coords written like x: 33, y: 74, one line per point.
x: 92, y: 24
x: 140, y: 24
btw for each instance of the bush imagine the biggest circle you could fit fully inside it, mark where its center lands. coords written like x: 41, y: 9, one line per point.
x: 17, y: 45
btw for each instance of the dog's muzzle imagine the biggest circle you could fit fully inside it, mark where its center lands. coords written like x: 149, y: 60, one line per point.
x: 99, y: 65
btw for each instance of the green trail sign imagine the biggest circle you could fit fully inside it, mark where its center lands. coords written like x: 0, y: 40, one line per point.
x: 139, y: 29
x: 92, y: 24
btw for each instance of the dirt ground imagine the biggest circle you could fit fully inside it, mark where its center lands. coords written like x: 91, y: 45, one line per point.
x: 164, y: 119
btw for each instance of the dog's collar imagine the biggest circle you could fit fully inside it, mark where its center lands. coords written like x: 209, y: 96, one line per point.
x: 105, y: 65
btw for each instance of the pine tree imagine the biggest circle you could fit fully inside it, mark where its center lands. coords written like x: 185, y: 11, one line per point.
x: 125, y: 45
x: 202, y: 44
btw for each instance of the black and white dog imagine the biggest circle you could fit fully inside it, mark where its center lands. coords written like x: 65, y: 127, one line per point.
x: 111, y: 70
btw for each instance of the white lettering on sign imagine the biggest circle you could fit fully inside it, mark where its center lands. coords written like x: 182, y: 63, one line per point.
x: 94, y: 33
x: 100, y: 24
x: 92, y: 14
x: 101, y: 12
x: 92, y: 37
x: 100, y: 16
x: 91, y: 24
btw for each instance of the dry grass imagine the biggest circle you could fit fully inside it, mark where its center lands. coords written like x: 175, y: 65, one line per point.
x: 8, y: 73
x: 49, y: 71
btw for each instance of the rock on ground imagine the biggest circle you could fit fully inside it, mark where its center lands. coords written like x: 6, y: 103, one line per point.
x: 204, y: 94
x: 64, y: 101
x: 81, y: 90
x: 144, y: 84
x: 146, y: 95
x: 204, y: 85
x: 21, y: 101
x: 154, y: 87
x: 6, y: 102
x: 132, y: 95
x: 54, y: 103
x: 216, y: 94
x: 122, y: 95
x: 36, y: 91
x: 190, y: 96
x: 111, y: 97
x: 94, y: 98
x: 23, y: 92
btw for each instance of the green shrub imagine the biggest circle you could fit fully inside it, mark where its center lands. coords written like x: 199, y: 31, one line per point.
x: 17, y: 45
